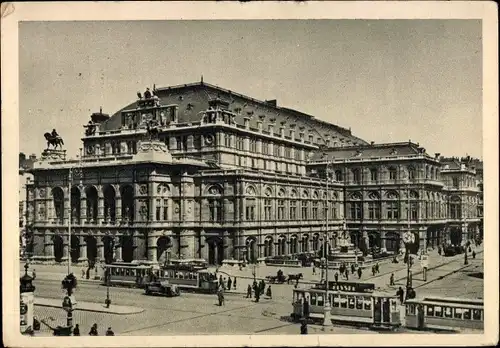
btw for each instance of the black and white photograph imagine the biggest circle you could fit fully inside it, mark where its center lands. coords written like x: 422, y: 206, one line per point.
x: 282, y: 173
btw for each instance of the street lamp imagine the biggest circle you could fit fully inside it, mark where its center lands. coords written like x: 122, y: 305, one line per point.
x: 408, y: 239
x: 107, y: 302
x: 327, y: 321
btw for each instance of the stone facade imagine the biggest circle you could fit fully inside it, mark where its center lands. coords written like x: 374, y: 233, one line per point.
x: 224, y: 176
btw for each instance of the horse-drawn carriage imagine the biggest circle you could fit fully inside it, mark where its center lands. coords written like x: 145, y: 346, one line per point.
x: 280, y: 278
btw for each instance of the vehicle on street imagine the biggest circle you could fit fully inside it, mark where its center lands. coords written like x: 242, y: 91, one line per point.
x: 438, y: 313
x: 162, y: 287
x: 127, y: 274
x: 189, y: 277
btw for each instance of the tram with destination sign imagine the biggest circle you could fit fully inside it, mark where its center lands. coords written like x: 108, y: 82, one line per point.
x: 127, y: 274
x: 437, y: 313
x: 356, y: 303
x: 189, y: 277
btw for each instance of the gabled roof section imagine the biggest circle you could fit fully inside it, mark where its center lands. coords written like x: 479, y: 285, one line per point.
x: 369, y: 151
x: 192, y: 99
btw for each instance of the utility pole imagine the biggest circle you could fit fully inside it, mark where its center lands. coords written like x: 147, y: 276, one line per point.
x: 327, y: 309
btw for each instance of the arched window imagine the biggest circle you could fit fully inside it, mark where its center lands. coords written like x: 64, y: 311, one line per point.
x: 128, y: 206
x: 92, y: 197
x: 162, y: 204
x: 58, y: 201
x: 412, y: 173
x: 75, y: 204
x: 338, y: 175
x: 374, y: 174
x: 293, y: 244
x: 268, y: 246
x: 282, y: 245
x: 393, y: 173
x: 356, y: 175
x: 109, y: 204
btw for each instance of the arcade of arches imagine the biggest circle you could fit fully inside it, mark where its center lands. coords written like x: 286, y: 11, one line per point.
x: 215, y: 249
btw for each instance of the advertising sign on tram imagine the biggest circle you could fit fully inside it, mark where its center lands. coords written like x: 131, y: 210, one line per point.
x: 351, y: 286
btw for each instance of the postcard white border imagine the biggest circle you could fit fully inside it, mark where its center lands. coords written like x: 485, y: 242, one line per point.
x: 13, y: 13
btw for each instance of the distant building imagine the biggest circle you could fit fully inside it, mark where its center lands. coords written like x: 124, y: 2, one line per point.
x: 25, y: 178
x: 197, y: 171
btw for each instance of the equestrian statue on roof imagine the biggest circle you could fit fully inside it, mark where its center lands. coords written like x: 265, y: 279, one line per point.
x: 53, y: 139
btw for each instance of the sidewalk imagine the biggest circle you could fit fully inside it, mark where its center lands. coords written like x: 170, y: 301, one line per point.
x: 89, y: 306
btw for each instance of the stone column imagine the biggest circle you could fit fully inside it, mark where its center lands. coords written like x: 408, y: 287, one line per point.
x: 203, y: 246
x: 383, y: 247
x: 118, y: 208
x: 66, y: 209
x: 100, y: 249
x: 228, y: 246
x: 66, y: 245
x: 48, y: 249
x: 83, y: 209
x: 152, y: 250
x: 100, y: 210
x: 83, y: 249
x: 118, y: 249
x: 187, y: 244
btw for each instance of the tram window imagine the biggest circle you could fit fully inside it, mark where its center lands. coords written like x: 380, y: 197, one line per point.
x: 350, y: 302
x: 335, y: 301
x: 438, y: 311
x: 476, y: 314
x: 359, y: 302
x: 430, y: 310
x: 458, y: 313
x: 411, y: 309
x: 181, y: 275
x: 368, y: 304
x: 343, y: 301
x: 313, y: 299
x: 447, y: 312
x: 176, y: 274
x: 467, y: 314
x: 320, y: 301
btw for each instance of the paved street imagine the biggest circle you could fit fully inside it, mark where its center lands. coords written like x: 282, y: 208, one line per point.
x: 199, y: 314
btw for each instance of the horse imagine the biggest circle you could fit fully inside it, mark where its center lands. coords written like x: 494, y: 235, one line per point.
x: 295, y: 277
x: 54, y: 141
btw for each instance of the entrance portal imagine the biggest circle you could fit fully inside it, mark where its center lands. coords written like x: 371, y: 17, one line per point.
x: 108, y: 249
x: 215, y: 251
x: 127, y: 249
x: 91, y: 250
x: 58, y: 248
x: 75, y: 248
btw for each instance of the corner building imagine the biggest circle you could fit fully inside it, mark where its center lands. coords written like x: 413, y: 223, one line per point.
x: 222, y: 176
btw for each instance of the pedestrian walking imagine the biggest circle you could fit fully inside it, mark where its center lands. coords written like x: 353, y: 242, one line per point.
x: 306, y: 309
x: 93, y: 330
x: 229, y: 283
x: 336, y: 277
x: 473, y: 254
x: 373, y: 270
x: 303, y: 327
x: 220, y: 280
x: 83, y: 273
x: 34, y: 274
x: 377, y: 269
x: 110, y: 332
x: 234, y: 284
x: 76, y: 330
x: 314, y: 270
x: 346, y: 274
x: 249, y: 291
x: 224, y: 283
x: 353, y: 269
x: 401, y: 294
x: 269, y: 293
x: 257, y: 295
x: 359, y: 272
x: 391, y: 280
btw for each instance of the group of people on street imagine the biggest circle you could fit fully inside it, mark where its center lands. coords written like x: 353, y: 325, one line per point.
x: 93, y: 331
x: 226, y: 285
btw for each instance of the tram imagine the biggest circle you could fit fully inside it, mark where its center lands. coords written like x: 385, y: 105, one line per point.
x: 355, y: 303
x: 437, y: 313
x: 189, y: 277
x: 127, y: 274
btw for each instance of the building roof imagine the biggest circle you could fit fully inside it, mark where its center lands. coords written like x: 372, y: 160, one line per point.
x: 193, y: 99
x: 26, y: 163
x: 369, y: 151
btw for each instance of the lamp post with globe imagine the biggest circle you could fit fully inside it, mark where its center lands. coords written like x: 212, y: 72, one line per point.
x: 408, y: 240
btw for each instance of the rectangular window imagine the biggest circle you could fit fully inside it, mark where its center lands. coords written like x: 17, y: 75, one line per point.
x: 355, y: 210
x: 392, y: 174
x: 158, y: 210
x: 392, y: 210
x: 315, y: 211
x: 304, y: 210
x: 281, y: 209
x: 250, y: 210
x: 356, y: 176
x: 374, y: 210
x: 414, y: 211
x: 267, y: 209
x: 293, y: 210
x: 458, y: 313
x: 165, y: 209
x: 265, y: 148
x: 455, y: 182
x: 373, y: 175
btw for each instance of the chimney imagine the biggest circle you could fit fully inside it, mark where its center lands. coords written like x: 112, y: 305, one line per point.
x: 272, y: 102
x: 32, y: 157
x: 436, y: 155
x: 372, y: 143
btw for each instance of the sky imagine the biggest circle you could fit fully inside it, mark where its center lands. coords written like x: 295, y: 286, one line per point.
x: 387, y: 80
